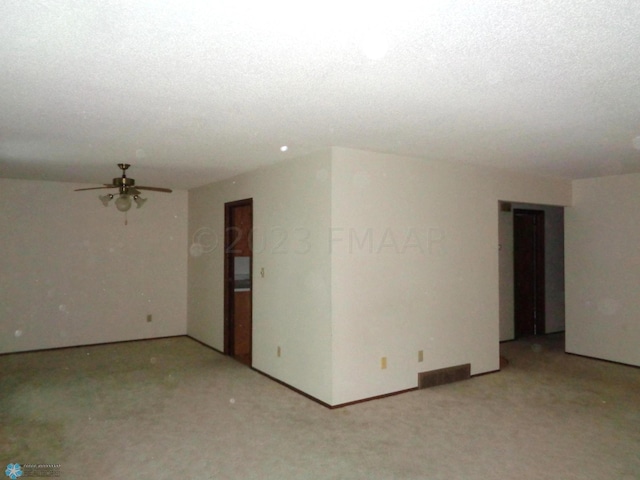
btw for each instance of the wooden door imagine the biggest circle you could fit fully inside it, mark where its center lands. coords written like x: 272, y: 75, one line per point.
x: 238, y: 281
x: 528, y: 272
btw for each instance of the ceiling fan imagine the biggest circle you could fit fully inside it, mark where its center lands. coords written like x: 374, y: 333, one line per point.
x: 127, y: 190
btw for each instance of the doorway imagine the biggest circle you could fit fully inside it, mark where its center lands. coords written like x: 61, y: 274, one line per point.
x: 238, y: 282
x: 529, y: 272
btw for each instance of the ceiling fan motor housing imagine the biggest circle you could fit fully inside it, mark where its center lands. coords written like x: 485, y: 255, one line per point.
x: 123, y: 182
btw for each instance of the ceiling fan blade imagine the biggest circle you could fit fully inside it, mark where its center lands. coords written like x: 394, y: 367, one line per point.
x: 155, y: 189
x: 94, y: 188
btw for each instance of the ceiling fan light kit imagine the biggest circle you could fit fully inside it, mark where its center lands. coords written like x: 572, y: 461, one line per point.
x: 127, y: 191
x: 123, y: 202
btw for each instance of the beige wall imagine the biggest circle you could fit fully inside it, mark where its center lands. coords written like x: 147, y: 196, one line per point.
x: 292, y: 303
x: 429, y: 280
x: 505, y: 259
x: 603, y: 269
x: 399, y: 255
x: 365, y: 255
x: 71, y: 272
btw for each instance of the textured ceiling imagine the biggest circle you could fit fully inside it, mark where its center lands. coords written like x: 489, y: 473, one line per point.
x: 193, y: 91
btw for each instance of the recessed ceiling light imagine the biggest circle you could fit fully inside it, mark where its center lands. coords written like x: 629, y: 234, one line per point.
x: 284, y: 148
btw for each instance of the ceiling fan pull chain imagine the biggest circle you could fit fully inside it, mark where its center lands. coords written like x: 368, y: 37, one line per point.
x: 126, y: 220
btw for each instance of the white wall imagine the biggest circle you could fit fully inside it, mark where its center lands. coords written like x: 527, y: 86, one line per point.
x: 71, y: 272
x: 554, y: 269
x: 365, y: 255
x: 505, y: 256
x: 603, y: 269
x: 430, y: 280
x: 292, y: 303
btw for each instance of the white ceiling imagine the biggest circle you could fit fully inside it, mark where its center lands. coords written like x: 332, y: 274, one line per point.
x: 190, y: 91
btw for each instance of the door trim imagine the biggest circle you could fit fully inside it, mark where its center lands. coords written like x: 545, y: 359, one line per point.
x: 228, y: 272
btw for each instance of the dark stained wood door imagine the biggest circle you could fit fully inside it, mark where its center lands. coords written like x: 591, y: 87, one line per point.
x: 528, y: 272
x: 238, y: 281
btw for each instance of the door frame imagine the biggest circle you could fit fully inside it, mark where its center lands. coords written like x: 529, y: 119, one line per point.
x: 228, y: 273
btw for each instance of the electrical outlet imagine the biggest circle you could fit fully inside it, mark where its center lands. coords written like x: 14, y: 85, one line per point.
x: 279, y: 351
x: 420, y: 355
x: 383, y: 363
x: 149, y: 318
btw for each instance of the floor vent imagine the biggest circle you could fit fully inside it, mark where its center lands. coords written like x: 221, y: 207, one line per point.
x: 443, y: 376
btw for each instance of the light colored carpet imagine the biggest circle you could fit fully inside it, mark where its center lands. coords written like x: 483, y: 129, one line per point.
x: 172, y: 408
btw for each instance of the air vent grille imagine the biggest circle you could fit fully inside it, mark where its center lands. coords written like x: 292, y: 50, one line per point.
x: 443, y: 376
